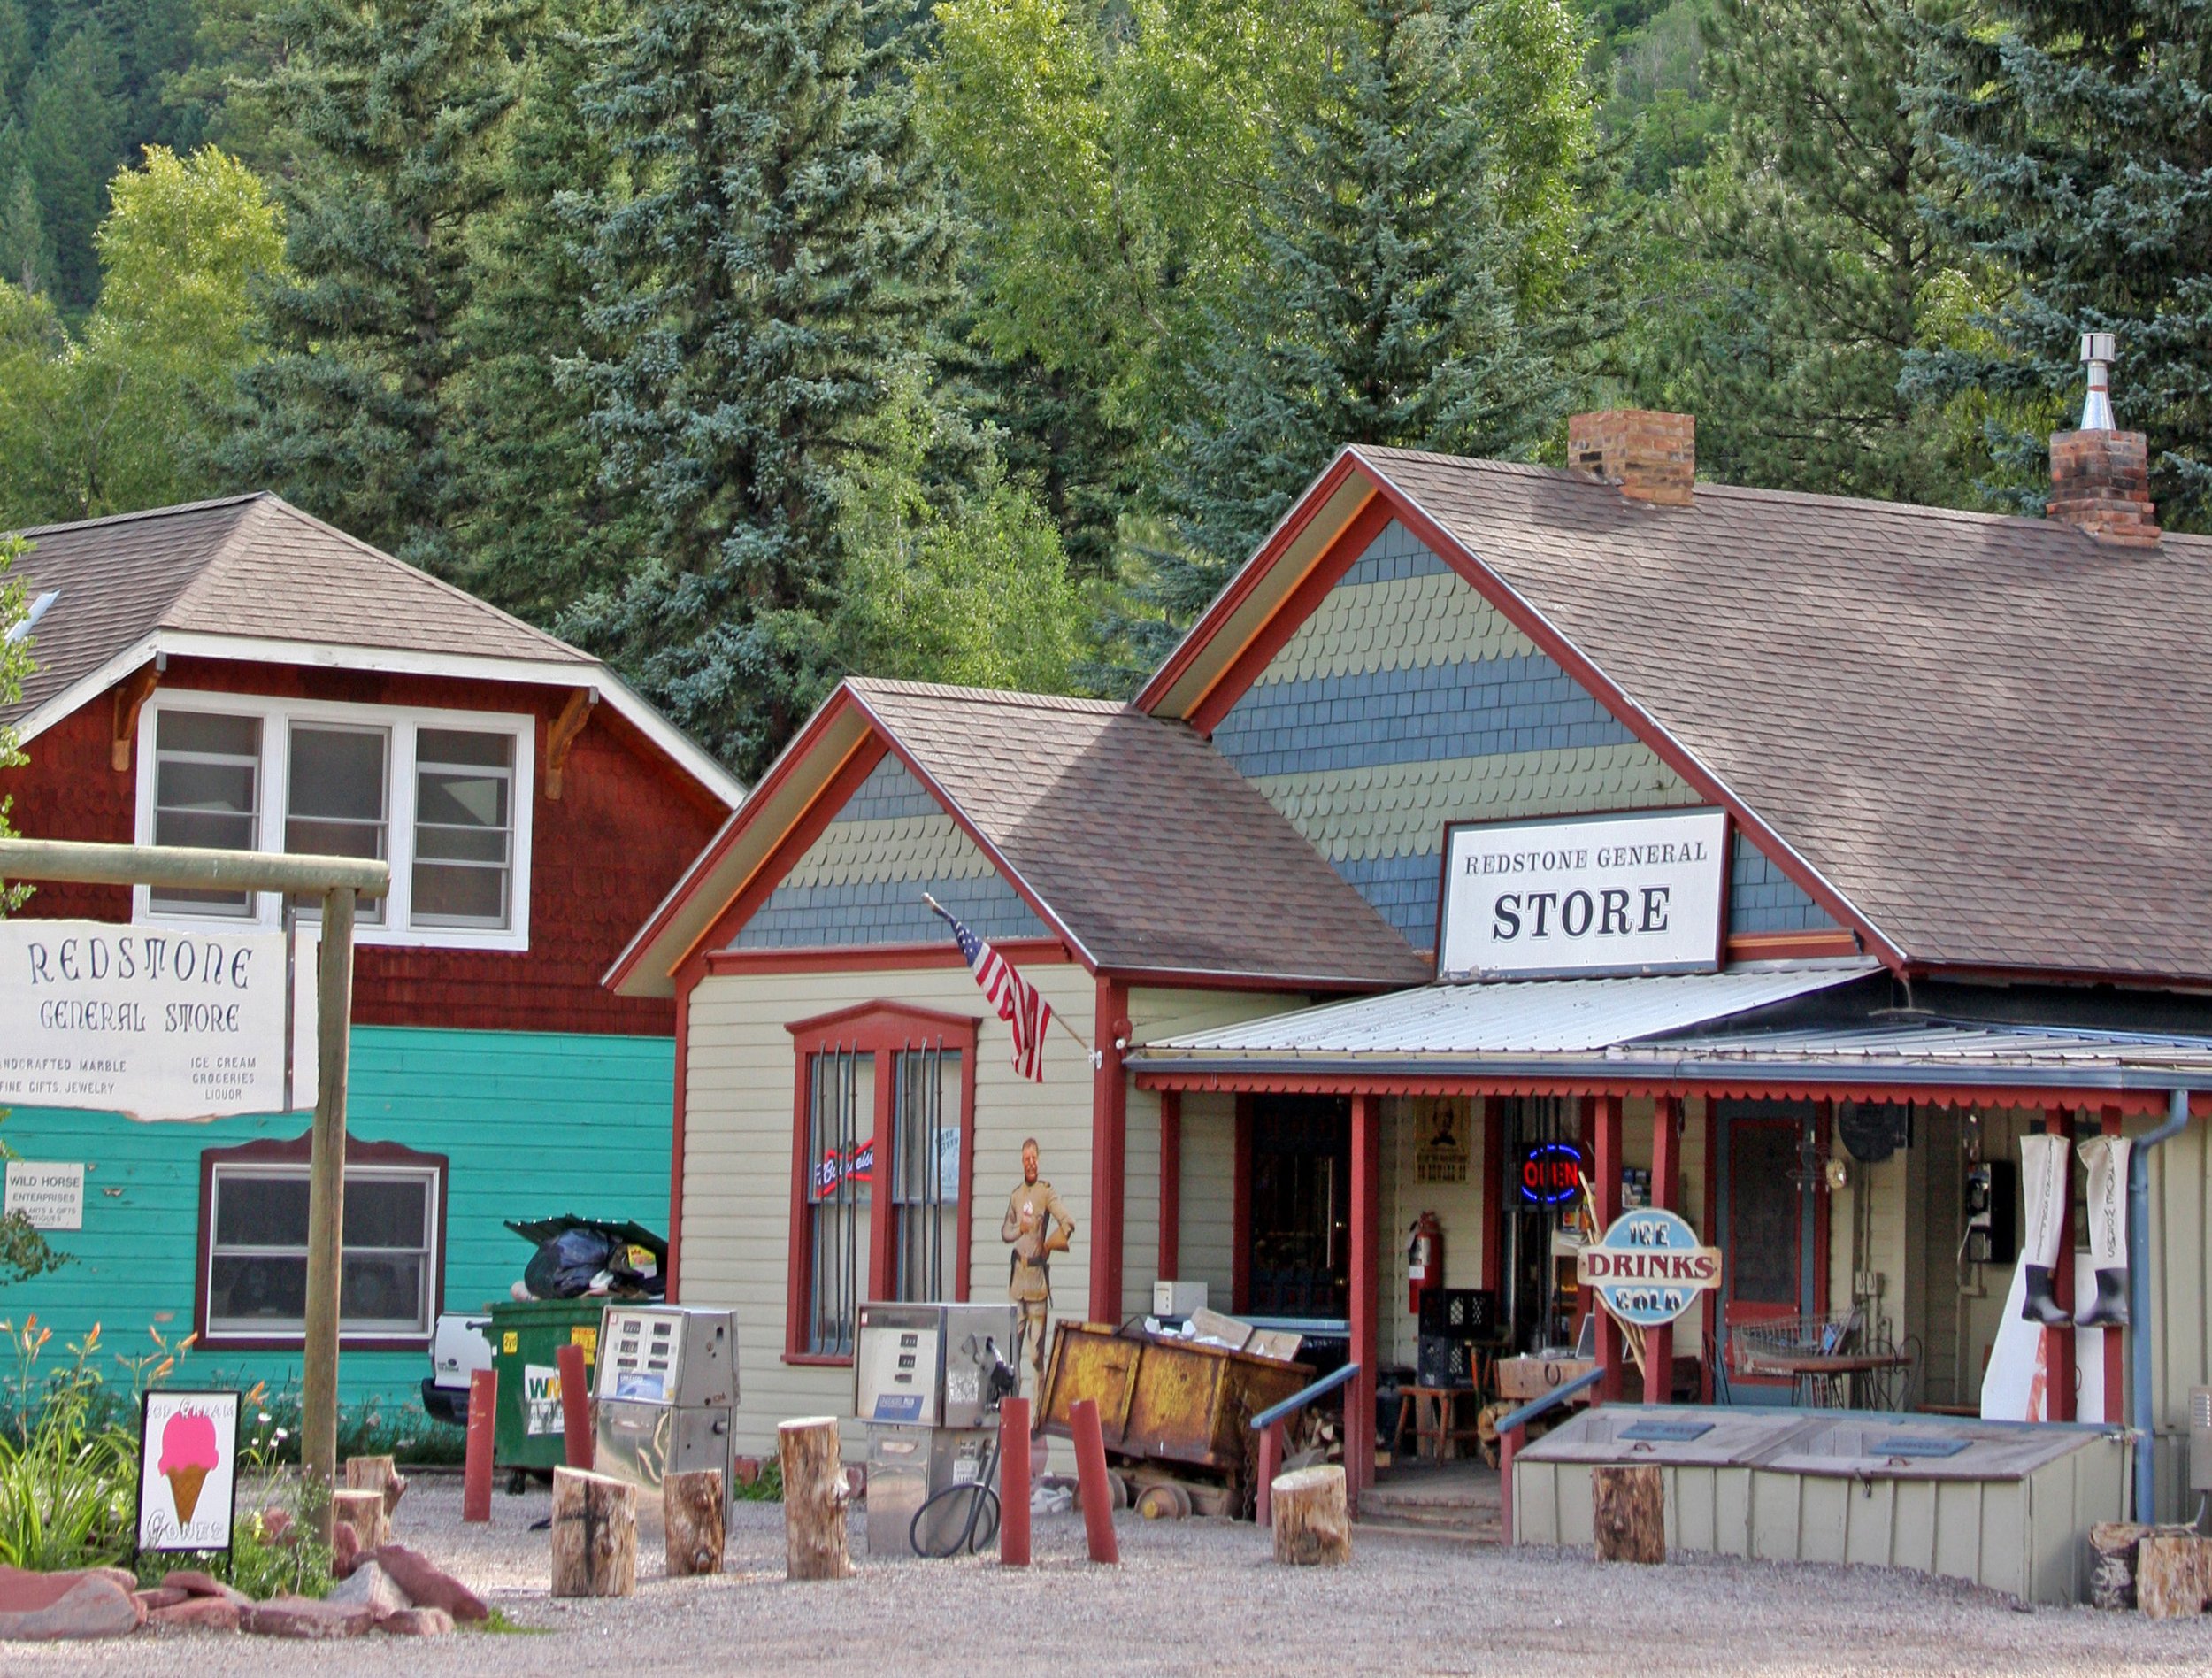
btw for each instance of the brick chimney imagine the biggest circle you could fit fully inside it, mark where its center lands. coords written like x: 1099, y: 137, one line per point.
x: 1652, y: 455
x: 2100, y: 478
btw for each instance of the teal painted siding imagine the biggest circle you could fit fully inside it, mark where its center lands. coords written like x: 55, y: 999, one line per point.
x: 532, y: 1123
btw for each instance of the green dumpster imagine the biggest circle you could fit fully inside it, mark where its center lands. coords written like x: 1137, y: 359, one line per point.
x: 527, y: 1335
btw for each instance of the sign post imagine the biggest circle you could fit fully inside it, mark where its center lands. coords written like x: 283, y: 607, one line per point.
x: 339, y: 882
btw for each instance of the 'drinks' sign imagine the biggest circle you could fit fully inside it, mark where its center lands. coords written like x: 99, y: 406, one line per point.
x: 1592, y: 895
x: 156, y: 1023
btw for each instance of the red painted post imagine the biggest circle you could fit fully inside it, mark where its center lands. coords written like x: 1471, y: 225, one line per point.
x: 476, y: 1474
x: 1508, y: 1447
x: 1666, y: 1153
x: 1090, y: 1481
x: 1366, y: 1297
x: 2058, y: 1346
x: 1013, y: 1482
x: 575, y: 1405
x: 1271, y: 1464
x: 1605, y: 1152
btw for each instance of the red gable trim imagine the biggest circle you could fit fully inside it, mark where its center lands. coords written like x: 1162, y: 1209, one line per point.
x: 1390, y: 500
x: 883, y: 958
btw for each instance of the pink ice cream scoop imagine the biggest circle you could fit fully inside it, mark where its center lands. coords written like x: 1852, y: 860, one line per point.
x: 188, y: 1441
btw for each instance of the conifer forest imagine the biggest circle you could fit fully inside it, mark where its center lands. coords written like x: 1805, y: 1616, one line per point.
x: 750, y: 343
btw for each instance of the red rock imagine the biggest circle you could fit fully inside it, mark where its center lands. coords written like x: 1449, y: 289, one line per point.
x: 203, y: 1584
x: 122, y: 1576
x: 429, y: 1586
x: 304, y: 1617
x: 85, y: 1606
x: 163, y: 1597
x: 417, y: 1623
x: 199, y: 1614
x: 276, y: 1524
x: 345, y: 1548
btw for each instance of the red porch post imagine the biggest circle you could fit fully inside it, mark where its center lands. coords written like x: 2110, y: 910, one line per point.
x: 1666, y: 1164
x: 1606, y: 1151
x: 1171, y: 1267
x: 1110, y: 1147
x: 2114, y: 1367
x: 2058, y: 1345
x: 1359, y: 1404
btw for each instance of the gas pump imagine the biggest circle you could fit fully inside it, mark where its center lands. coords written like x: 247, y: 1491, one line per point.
x: 1424, y: 1260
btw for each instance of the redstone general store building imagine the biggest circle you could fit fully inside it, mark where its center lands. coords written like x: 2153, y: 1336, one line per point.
x: 1790, y: 861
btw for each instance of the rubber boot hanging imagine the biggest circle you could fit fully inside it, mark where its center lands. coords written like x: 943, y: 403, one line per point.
x: 2106, y: 1161
x: 2043, y: 1186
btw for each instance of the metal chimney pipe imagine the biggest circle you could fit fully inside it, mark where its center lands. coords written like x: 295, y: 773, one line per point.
x: 2097, y: 352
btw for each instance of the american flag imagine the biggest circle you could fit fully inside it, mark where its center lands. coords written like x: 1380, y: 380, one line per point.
x: 1017, y: 1000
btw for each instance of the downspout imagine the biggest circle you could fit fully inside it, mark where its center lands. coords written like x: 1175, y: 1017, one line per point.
x: 2140, y: 1299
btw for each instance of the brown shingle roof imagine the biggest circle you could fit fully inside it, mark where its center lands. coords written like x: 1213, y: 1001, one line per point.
x: 253, y: 567
x: 1150, y: 848
x: 1992, y: 734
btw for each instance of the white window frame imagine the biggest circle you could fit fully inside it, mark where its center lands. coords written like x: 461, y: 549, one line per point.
x: 400, y: 724
x: 265, y: 1329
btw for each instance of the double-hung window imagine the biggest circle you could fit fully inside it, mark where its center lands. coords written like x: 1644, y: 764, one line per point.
x: 442, y: 797
x: 881, y: 1154
x: 254, y: 1213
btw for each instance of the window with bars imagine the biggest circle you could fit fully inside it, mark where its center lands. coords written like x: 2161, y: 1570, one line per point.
x: 841, y: 1160
x: 924, y: 1170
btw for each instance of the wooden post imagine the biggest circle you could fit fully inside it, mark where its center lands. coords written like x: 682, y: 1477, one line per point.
x: 1110, y: 1151
x: 326, y: 1211
x: 2173, y: 1572
x: 378, y: 1474
x: 595, y: 1535
x: 1666, y: 1166
x: 2115, y: 1380
x: 1366, y: 1298
x: 693, y: 1504
x: 1313, y: 1524
x: 1606, y: 1155
x: 476, y: 1469
x: 1271, y: 1464
x: 1628, y: 1513
x: 1013, y: 1480
x: 364, y: 1512
x: 1509, y: 1442
x: 815, y: 1493
x: 2058, y: 1344
x: 1091, y: 1481
x: 576, y: 1442
x: 1171, y: 1264
x: 2112, y: 1545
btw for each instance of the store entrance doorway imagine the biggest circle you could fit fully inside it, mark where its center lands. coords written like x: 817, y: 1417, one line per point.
x: 1298, y: 1196
x: 1768, y: 1182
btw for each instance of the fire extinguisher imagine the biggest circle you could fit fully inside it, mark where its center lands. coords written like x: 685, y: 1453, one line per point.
x: 1424, y: 1259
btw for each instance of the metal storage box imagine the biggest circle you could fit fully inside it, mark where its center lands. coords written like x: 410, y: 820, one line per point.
x: 2004, y: 1505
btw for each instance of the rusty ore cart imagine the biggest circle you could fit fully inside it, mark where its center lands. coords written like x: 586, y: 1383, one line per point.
x: 1168, y: 1401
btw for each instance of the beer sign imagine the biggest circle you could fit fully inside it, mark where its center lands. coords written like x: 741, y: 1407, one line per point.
x: 1648, y: 1268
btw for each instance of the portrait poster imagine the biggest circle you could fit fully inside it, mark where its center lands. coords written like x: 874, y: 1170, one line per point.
x: 188, y: 1469
x: 1440, y: 1140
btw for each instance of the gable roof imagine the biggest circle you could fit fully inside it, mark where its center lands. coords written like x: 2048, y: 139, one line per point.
x: 252, y: 577
x: 1985, y: 741
x: 1130, y: 837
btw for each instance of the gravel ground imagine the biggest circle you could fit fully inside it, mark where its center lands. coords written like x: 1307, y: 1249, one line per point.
x: 1193, y: 1595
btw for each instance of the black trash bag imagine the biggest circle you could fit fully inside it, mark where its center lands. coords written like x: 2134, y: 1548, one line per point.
x: 565, y: 1266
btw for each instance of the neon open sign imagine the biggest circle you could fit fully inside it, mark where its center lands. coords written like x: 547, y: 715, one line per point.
x: 1552, y: 1172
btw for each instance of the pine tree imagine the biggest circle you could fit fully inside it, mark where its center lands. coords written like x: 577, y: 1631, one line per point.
x: 25, y: 255
x: 2080, y: 129
x: 1382, y: 310
x: 780, y: 258
x: 398, y: 110
x: 73, y: 139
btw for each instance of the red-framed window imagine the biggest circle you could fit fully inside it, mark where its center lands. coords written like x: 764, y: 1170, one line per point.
x: 882, y: 1155
x: 251, y: 1292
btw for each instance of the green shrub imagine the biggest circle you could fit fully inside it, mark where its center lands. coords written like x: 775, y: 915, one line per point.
x: 767, y: 1488
x: 260, y: 1566
x: 68, y: 1467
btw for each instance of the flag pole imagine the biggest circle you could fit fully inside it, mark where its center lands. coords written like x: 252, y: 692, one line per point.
x: 1058, y: 1018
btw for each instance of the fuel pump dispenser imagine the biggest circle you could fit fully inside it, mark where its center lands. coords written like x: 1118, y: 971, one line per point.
x: 927, y: 1380
x: 667, y: 1392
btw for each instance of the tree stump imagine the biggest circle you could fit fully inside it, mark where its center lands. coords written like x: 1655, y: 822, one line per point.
x: 364, y: 1512
x: 694, y: 1506
x: 2112, y: 1562
x: 815, y: 1493
x: 595, y: 1535
x: 1628, y: 1513
x: 378, y: 1474
x: 1313, y: 1526
x: 2173, y: 1574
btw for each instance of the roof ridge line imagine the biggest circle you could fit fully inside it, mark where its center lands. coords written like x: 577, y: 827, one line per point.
x: 988, y: 695
x: 55, y: 527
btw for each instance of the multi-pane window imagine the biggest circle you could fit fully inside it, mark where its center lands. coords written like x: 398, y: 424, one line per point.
x: 463, y: 828
x: 840, y: 1160
x: 335, y: 799
x: 207, y: 786
x: 924, y: 1170
x: 256, y: 1279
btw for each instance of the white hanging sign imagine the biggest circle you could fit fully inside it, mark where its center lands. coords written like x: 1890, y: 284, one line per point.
x: 49, y: 1195
x: 1591, y: 895
x: 153, y: 1022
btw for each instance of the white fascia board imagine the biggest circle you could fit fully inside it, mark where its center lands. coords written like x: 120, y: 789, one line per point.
x: 317, y: 655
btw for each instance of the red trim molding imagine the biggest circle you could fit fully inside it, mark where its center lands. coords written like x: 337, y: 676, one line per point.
x: 1110, y: 1150
x: 1791, y: 946
x: 681, y: 1100
x: 887, y: 958
x: 880, y: 1030
x: 295, y: 1151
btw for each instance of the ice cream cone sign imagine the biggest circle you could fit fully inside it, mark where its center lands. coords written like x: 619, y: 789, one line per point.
x: 187, y: 1471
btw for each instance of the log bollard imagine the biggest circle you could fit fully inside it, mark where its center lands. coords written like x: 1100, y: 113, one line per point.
x: 364, y: 1512
x: 1313, y: 1521
x: 595, y: 1535
x: 1090, y: 1476
x: 814, y: 1494
x: 575, y: 1405
x: 1013, y: 1480
x: 1628, y: 1513
x: 694, y: 1507
x: 476, y: 1473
